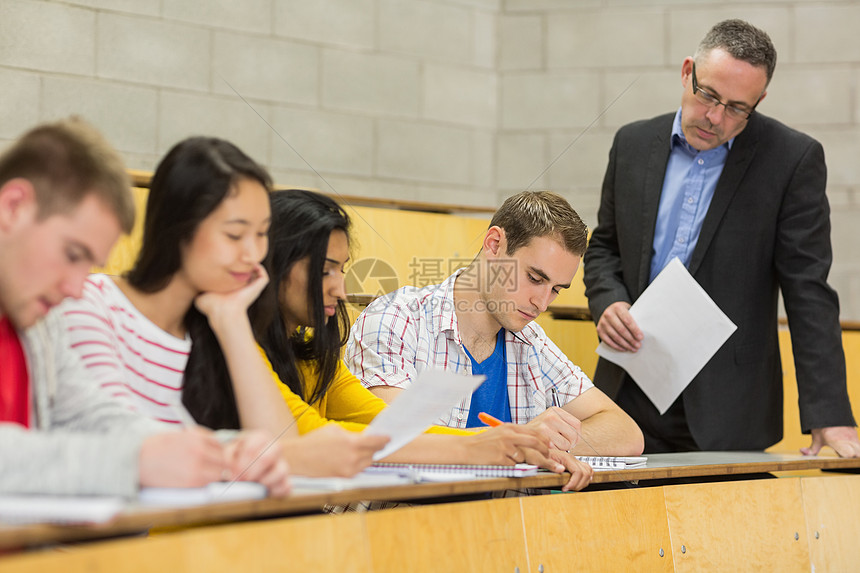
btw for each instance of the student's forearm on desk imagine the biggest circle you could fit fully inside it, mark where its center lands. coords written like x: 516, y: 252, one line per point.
x: 609, y: 433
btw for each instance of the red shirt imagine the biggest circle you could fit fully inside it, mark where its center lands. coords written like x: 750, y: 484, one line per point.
x: 14, y: 378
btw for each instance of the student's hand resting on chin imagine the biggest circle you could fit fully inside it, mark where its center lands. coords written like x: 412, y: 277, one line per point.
x: 221, y: 308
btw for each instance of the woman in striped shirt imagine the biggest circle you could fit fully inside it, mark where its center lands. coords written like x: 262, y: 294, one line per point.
x: 172, y: 337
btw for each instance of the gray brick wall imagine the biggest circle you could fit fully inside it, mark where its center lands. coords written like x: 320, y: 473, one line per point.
x: 460, y: 101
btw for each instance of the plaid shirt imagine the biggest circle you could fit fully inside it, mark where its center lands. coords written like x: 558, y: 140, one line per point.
x: 410, y: 330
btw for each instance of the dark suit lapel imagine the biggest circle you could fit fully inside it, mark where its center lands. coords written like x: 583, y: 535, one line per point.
x: 737, y: 162
x: 658, y: 158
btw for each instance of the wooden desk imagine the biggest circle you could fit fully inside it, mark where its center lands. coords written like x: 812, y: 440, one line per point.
x: 789, y: 524
x: 660, y: 466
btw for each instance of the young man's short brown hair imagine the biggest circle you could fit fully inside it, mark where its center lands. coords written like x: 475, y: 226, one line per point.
x: 531, y: 214
x: 66, y: 161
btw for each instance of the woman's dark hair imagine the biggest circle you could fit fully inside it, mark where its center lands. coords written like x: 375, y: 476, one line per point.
x: 302, y: 222
x: 192, y: 180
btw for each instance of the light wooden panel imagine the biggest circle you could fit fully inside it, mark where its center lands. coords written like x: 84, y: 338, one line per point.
x: 324, y: 543
x: 576, y: 338
x: 318, y: 543
x: 734, y: 526
x: 793, y: 439
x: 470, y: 536
x: 421, y: 248
x: 833, y: 522
x: 125, y: 251
x: 137, y: 555
x: 411, y: 242
x: 622, y: 530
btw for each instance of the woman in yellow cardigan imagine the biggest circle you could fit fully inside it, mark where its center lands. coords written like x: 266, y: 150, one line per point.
x: 309, y: 248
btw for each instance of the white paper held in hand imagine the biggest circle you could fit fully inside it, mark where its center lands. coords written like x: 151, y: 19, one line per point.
x: 419, y: 406
x: 682, y: 327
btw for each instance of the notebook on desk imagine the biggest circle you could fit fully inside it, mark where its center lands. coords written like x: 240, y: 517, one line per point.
x: 426, y: 472
x: 302, y: 484
x: 600, y: 463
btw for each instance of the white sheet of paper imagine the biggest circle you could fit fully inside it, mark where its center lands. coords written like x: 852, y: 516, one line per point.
x: 682, y: 327
x: 430, y: 395
x: 215, y: 492
x: 25, y: 509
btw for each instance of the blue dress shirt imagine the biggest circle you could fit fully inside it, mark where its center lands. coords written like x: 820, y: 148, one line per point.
x: 688, y: 187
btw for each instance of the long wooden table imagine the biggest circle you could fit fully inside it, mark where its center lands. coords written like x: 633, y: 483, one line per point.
x: 660, y: 466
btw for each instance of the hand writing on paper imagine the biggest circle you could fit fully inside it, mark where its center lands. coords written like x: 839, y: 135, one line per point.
x: 190, y: 458
x: 508, y: 444
x: 560, y: 427
x: 843, y: 440
x: 617, y: 328
x: 254, y: 456
x: 555, y: 460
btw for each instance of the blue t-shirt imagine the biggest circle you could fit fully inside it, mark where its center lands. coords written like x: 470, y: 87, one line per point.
x: 492, y: 395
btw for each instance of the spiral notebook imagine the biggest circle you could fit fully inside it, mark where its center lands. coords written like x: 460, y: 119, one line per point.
x: 444, y: 472
x: 614, y: 463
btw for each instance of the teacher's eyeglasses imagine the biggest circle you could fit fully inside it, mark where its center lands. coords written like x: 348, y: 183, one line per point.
x: 706, y: 98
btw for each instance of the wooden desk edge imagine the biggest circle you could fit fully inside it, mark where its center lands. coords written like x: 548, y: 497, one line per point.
x: 140, y: 519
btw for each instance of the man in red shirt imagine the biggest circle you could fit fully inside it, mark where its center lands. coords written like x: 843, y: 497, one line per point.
x: 64, y: 200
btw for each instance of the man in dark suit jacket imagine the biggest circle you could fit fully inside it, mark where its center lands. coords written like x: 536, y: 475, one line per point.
x: 740, y: 199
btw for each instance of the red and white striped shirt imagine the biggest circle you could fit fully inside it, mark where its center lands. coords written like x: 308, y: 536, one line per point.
x: 405, y: 332
x: 128, y: 355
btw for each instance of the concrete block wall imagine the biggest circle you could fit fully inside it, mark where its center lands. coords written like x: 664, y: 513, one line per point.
x: 382, y: 98
x: 458, y: 101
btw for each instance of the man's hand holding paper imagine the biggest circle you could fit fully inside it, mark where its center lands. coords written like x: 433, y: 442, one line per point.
x: 618, y: 329
x: 679, y: 327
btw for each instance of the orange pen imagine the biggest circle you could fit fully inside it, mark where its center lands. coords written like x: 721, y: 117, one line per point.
x: 489, y: 420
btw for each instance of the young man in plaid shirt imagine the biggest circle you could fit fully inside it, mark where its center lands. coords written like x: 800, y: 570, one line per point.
x: 481, y: 321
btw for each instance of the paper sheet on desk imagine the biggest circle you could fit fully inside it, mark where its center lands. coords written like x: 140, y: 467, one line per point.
x: 68, y: 509
x: 683, y: 328
x: 430, y: 395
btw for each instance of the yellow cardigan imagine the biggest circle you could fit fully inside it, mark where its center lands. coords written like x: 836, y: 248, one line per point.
x: 346, y: 403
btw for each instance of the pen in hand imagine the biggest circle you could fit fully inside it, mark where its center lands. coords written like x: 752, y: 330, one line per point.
x: 554, y: 394
x: 489, y: 420
x: 553, y: 391
x: 492, y: 421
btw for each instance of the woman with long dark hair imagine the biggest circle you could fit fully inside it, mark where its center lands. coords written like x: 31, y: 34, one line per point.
x: 310, y: 246
x: 172, y: 337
